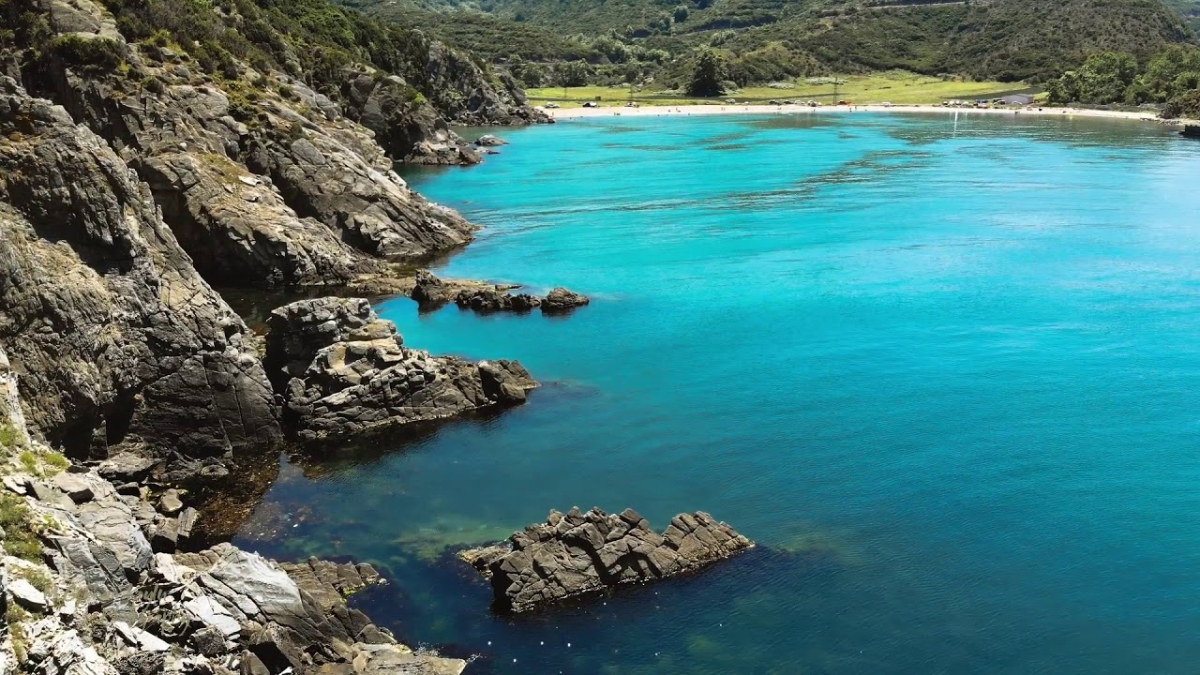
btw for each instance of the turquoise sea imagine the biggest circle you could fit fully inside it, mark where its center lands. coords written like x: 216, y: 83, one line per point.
x: 946, y: 373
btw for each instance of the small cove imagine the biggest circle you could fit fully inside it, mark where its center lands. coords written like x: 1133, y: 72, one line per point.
x: 946, y: 375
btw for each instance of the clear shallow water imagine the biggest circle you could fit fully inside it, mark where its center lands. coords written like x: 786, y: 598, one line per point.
x: 949, y: 378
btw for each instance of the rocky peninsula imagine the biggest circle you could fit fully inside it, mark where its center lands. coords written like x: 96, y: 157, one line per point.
x: 577, y: 554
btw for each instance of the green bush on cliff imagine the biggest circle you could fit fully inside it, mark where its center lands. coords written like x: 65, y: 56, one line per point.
x: 88, y: 54
x: 20, y: 538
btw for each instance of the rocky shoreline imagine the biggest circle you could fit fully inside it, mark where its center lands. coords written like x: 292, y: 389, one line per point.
x: 98, y: 588
x: 132, y: 396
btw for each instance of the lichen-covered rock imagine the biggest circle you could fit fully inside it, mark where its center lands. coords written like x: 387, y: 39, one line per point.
x: 120, y: 343
x: 580, y: 553
x: 343, y: 370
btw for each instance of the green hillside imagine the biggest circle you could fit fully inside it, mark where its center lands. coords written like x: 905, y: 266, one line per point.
x: 1006, y: 40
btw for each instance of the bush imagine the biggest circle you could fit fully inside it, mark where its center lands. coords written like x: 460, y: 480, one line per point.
x: 88, y: 55
x: 20, y: 539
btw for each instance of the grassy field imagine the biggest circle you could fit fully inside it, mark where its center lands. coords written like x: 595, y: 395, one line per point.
x: 891, y: 87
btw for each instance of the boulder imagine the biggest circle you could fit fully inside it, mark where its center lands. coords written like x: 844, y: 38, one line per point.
x: 27, y: 596
x: 344, y: 371
x: 561, y: 300
x: 490, y: 141
x: 582, y: 553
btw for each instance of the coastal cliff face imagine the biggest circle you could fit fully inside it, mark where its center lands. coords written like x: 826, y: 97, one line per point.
x: 264, y: 181
x: 119, y: 343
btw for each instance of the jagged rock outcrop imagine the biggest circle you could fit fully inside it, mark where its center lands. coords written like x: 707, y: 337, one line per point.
x: 490, y: 141
x: 112, y: 605
x: 467, y: 95
x: 118, y: 342
x: 432, y: 292
x: 343, y: 370
x: 561, y: 300
x: 405, y: 125
x: 271, y: 187
x: 580, y: 553
x: 492, y: 300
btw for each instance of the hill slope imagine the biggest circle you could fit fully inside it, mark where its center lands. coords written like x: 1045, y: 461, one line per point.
x: 1001, y: 39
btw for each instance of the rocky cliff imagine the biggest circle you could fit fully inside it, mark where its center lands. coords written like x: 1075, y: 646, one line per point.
x: 119, y: 343
x: 90, y: 585
x: 264, y: 180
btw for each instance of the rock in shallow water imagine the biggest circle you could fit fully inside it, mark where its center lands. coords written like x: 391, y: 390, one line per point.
x: 580, y: 553
x: 343, y: 370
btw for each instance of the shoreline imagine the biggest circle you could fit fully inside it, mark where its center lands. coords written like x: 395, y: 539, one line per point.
x: 759, y: 109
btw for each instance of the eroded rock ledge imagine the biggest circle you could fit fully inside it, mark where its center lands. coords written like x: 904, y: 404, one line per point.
x: 580, y: 553
x: 342, y: 370
x: 431, y: 292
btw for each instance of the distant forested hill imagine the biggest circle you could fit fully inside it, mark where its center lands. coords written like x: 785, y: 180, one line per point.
x: 994, y: 39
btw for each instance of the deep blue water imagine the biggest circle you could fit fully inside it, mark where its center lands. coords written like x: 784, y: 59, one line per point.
x: 948, y: 375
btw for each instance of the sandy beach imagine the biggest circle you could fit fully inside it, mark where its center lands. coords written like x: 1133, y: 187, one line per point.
x: 733, y: 109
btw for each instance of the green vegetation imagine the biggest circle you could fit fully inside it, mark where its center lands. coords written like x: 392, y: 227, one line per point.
x: 30, y: 463
x: 312, y: 40
x: 1171, y: 77
x: 1014, y: 40
x: 707, y: 75
x: 10, y: 439
x: 36, y: 577
x: 892, y: 87
x: 88, y: 54
x: 20, y: 537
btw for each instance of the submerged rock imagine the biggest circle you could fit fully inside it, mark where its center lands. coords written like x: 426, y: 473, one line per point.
x: 342, y: 370
x: 580, y: 553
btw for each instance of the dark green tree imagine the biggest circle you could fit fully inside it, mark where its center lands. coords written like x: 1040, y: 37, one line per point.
x: 707, y: 74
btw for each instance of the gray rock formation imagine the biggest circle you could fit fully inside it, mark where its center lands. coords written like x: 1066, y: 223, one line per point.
x: 493, y: 300
x: 467, y: 95
x: 405, y: 125
x: 120, y: 344
x: 581, y: 553
x: 343, y: 370
x: 431, y: 292
x: 490, y: 141
x: 276, y: 191
x: 561, y: 300
x: 112, y: 606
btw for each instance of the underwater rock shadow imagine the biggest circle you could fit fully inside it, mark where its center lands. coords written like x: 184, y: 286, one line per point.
x: 467, y: 597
